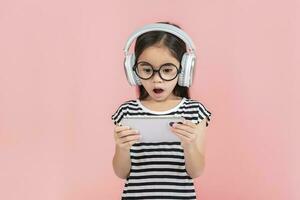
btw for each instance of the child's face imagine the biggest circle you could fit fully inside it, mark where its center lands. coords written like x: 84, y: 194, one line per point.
x: 157, y: 56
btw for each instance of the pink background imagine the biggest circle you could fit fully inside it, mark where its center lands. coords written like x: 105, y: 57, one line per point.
x: 61, y: 78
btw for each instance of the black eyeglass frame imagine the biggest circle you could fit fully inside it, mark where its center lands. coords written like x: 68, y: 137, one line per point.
x: 156, y: 70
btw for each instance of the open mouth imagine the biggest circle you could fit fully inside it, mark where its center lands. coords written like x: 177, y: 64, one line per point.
x: 157, y: 90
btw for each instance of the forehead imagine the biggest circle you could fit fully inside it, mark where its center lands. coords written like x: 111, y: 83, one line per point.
x: 157, y: 55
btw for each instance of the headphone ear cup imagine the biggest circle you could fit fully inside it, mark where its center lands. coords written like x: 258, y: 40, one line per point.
x: 128, y: 69
x: 190, y: 69
x: 132, y: 78
x: 181, y: 79
x: 187, y: 71
x: 136, y: 79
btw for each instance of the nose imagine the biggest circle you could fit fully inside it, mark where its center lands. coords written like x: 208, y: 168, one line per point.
x: 156, y: 77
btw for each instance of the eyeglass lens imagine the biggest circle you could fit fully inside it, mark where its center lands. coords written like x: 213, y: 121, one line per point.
x: 166, y: 71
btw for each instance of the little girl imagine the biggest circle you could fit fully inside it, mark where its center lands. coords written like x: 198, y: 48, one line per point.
x: 162, y: 68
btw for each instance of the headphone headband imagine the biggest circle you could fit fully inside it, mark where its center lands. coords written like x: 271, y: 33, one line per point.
x: 161, y: 27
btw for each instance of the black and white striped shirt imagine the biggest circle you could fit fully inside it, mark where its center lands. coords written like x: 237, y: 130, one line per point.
x: 158, y: 169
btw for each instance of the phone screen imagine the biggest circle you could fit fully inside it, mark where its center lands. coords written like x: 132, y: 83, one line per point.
x: 153, y: 129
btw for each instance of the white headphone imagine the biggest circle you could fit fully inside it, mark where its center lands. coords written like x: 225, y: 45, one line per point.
x: 187, y: 62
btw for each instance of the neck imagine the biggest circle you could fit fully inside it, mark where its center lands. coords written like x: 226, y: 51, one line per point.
x: 170, y: 98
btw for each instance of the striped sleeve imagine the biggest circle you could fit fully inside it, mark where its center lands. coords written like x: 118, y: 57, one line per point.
x: 203, y: 112
x: 119, y: 113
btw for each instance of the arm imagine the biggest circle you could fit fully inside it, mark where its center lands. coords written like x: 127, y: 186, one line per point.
x: 194, y: 161
x: 124, y: 138
x: 121, y: 163
x: 192, y: 139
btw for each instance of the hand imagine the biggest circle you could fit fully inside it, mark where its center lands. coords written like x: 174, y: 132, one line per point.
x: 125, y: 137
x: 189, y: 133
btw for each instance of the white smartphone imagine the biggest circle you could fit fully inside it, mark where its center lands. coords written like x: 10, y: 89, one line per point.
x: 153, y: 128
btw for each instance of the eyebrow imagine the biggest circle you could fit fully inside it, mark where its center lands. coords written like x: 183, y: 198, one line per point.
x: 159, y: 65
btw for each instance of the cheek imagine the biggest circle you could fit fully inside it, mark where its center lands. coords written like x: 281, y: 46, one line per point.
x: 147, y: 86
x: 172, y: 83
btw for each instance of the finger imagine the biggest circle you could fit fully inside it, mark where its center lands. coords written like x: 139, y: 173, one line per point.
x: 129, y: 138
x: 182, y: 132
x: 182, y: 137
x: 183, y: 127
x: 126, y: 133
x: 203, y: 121
x: 189, y: 123
x: 132, y: 142
x: 121, y: 128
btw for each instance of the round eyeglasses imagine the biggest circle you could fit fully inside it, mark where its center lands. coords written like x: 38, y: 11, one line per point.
x: 167, y: 71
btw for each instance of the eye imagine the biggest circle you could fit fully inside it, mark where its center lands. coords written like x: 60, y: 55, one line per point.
x: 147, y: 70
x: 144, y: 67
x: 167, y: 70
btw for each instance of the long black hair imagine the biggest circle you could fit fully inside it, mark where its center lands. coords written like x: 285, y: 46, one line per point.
x: 176, y: 46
